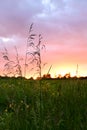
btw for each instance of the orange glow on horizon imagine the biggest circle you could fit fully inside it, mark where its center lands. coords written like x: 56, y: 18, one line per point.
x: 56, y: 71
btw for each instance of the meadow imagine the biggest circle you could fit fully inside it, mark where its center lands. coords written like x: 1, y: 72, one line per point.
x: 59, y: 104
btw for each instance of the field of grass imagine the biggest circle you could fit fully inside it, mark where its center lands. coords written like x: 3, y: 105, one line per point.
x: 63, y: 104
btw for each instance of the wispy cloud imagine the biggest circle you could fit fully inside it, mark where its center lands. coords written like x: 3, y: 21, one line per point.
x: 63, y: 24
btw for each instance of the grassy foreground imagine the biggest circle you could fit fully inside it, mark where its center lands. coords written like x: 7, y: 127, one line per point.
x: 63, y: 104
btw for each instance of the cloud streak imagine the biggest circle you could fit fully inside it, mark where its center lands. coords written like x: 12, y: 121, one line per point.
x: 63, y: 24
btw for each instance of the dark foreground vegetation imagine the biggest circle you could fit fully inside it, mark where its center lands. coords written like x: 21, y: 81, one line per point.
x: 63, y: 105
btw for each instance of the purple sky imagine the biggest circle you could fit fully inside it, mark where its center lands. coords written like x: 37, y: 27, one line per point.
x: 62, y: 23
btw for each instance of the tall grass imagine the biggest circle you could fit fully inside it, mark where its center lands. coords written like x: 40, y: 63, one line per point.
x: 33, y: 58
x: 64, y: 104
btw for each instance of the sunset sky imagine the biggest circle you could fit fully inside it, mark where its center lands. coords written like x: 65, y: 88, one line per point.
x: 63, y: 25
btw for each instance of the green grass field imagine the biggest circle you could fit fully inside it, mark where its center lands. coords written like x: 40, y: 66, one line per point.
x: 63, y: 104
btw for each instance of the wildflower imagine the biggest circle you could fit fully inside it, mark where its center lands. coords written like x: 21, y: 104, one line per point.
x: 6, y: 110
x: 53, y: 94
x: 27, y: 106
x: 10, y: 105
x: 21, y: 101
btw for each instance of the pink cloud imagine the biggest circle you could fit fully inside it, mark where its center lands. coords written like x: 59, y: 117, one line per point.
x: 62, y: 23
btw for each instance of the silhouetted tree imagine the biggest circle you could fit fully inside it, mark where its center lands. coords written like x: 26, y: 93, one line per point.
x: 67, y: 75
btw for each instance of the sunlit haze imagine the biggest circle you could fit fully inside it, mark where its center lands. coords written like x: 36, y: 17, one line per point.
x: 63, y: 25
